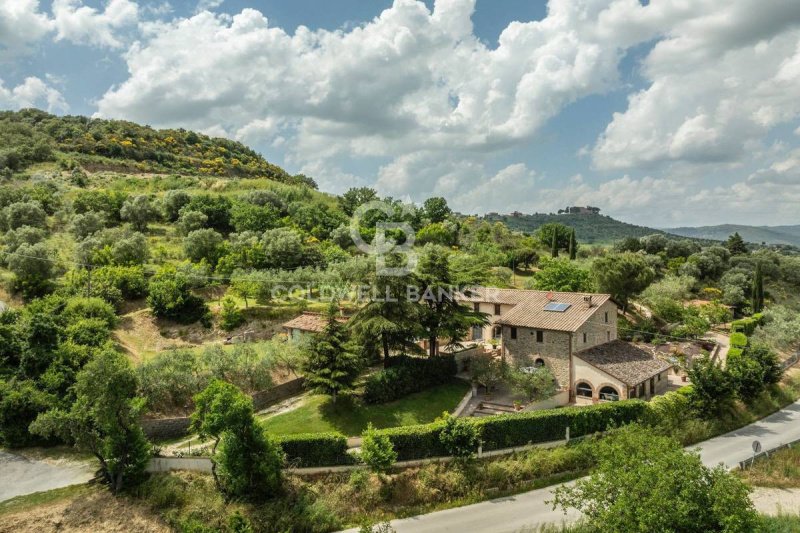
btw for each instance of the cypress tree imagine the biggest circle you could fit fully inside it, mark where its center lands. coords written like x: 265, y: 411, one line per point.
x: 573, y: 246
x: 554, y: 245
x: 757, y: 295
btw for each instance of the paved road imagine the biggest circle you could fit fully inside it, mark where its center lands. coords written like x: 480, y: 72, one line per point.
x: 776, y: 429
x: 530, y: 510
x: 21, y: 476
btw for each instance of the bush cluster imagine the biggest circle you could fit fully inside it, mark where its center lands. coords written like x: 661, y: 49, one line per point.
x: 747, y: 325
x: 738, y: 340
x: 315, y: 449
x: 407, y: 375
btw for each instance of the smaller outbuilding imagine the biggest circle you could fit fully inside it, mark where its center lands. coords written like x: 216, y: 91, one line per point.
x: 306, y: 323
x: 618, y: 370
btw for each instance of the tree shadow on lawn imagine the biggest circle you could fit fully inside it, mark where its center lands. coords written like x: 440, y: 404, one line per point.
x: 350, y: 416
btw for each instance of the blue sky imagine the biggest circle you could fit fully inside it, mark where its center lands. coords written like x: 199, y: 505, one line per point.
x: 661, y: 113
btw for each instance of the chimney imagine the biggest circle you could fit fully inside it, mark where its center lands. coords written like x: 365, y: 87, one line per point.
x: 588, y: 300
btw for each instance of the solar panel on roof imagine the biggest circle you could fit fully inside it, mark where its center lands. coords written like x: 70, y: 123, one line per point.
x: 557, y: 307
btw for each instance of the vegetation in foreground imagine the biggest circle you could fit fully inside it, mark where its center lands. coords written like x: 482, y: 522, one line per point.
x: 780, y: 470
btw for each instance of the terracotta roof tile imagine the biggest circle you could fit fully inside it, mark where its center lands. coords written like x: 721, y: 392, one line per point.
x: 625, y: 361
x: 529, y: 307
x: 310, y: 321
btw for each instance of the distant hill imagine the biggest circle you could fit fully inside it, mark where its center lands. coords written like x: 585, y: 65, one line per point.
x: 756, y: 234
x: 590, y: 228
x: 32, y: 136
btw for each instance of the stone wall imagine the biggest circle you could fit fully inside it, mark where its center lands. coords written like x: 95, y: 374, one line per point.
x: 554, y: 350
x: 174, y: 428
x: 597, y: 330
x: 278, y: 393
x: 166, y: 428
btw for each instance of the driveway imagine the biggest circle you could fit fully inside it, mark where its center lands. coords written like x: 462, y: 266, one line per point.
x: 529, y: 510
x: 21, y: 475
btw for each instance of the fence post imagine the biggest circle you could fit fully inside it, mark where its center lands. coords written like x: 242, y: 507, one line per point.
x: 567, y: 436
x: 480, y: 450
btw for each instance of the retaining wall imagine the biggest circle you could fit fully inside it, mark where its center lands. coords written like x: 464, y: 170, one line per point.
x: 174, y: 428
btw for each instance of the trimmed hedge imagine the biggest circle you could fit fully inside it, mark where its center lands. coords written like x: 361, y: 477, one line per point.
x: 738, y: 340
x: 747, y: 325
x: 506, y: 431
x: 735, y: 352
x: 315, y: 449
x: 407, y: 375
x: 416, y: 442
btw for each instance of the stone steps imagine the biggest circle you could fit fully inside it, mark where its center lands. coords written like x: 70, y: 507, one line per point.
x: 493, y: 408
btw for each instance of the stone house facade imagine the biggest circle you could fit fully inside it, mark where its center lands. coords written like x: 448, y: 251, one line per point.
x: 551, y: 329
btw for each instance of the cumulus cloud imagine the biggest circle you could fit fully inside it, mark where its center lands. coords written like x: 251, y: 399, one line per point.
x: 21, y: 25
x: 33, y: 92
x: 722, y: 77
x: 785, y: 171
x: 408, y: 85
x: 81, y: 24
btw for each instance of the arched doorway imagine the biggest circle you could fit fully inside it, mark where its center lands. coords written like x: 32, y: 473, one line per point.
x: 609, y: 394
x: 583, y: 390
x: 539, y: 363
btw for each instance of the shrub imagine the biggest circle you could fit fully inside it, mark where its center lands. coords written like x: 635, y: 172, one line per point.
x: 170, y: 297
x: 78, y: 308
x: 459, y: 436
x: 407, y: 375
x: 744, y: 325
x: 505, y: 431
x: 377, y: 451
x: 230, y: 316
x: 738, y: 340
x: 315, y: 449
x: 416, y: 442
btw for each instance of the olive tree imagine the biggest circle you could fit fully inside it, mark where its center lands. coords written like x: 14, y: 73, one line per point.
x: 104, y: 419
x: 139, y: 211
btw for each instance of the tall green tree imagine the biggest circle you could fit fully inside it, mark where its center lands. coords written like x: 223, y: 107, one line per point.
x: 561, y: 275
x: 104, y: 419
x: 622, y: 275
x: 573, y: 246
x: 388, y: 316
x: 757, y: 291
x: 713, y: 388
x: 736, y: 245
x: 440, y: 315
x: 246, y: 462
x: 554, y: 246
x: 645, y: 482
x: 436, y: 209
x: 331, y: 366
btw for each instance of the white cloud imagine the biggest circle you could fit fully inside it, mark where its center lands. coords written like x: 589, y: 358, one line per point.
x: 33, y: 92
x: 785, y: 171
x: 407, y: 85
x: 21, y: 25
x: 81, y: 24
x: 209, y: 5
x: 723, y: 77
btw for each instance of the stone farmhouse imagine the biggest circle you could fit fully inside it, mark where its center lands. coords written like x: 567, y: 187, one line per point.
x: 572, y: 334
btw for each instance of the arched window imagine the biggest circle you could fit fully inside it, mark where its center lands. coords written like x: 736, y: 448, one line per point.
x: 538, y: 363
x: 583, y: 390
x: 609, y: 393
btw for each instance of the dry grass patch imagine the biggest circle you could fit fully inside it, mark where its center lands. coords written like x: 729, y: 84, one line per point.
x: 78, y: 508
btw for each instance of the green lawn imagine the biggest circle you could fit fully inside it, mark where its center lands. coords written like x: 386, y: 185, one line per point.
x: 350, y: 417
